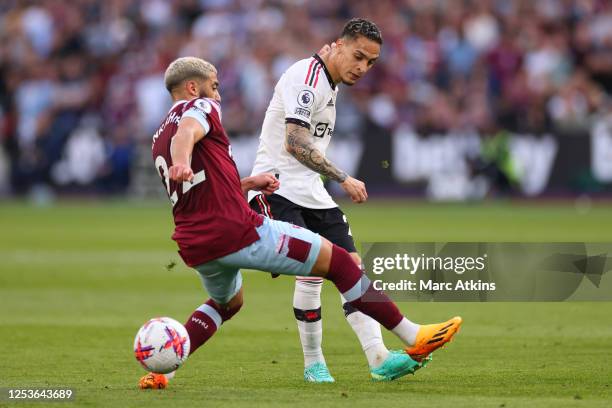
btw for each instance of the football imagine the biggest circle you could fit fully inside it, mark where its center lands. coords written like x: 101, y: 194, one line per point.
x: 161, y: 345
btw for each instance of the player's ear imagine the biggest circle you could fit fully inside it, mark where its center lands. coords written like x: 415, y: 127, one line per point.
x: 194, y: 87
x: 342, y: 46
x: 189, y: 86
x: 333, y: 47
x: 336, y: 47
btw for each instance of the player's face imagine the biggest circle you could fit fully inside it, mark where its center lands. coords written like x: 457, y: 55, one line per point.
x: 355, y: 58
x: 209, y: 88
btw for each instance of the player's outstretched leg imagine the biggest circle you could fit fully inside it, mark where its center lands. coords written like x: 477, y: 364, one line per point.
x: 201, y: 326
x: 307, y: 310
x: 433, y: 336
x: 384, y: 365
x: 336, y: 265
x: 208, y: 318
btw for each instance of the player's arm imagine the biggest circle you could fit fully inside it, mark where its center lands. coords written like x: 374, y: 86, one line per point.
x: 192, y: 128
x: 190, y: 131
x: 300, y: 144
x: 264, y: 182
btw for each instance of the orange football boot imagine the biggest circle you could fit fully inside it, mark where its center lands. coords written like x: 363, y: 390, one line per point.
x: 153, y: 381
x: 433, y: 336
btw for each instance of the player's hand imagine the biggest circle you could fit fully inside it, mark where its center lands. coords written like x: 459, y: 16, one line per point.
x: 180, y: 173
x: 266, y: 183
x: 355, y: 189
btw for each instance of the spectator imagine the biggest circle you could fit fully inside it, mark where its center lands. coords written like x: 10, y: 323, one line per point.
x: 445, y: 65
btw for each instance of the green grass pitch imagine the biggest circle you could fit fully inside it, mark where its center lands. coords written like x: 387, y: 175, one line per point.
x: 78, y: 279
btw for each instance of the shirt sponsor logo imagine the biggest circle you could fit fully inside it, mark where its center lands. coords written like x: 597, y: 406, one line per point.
x: 302, y: 112
x: 305, y: 98
x: 320, y: 129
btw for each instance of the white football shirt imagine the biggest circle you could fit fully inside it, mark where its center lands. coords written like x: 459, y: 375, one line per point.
x: 304, y: 94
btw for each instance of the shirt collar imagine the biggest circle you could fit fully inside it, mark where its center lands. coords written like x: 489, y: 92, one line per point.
x: 327, y: 74
x: 177, y: 103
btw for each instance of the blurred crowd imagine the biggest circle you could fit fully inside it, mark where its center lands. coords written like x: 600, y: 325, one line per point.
x: 81, y: 81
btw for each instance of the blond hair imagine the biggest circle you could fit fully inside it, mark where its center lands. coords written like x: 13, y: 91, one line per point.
x: 182, y: 69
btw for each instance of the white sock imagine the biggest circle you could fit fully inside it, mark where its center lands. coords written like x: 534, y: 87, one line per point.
x: 369, y: 335
x: 170, y: 375
x: 406, y: 331
x: 307, y: 296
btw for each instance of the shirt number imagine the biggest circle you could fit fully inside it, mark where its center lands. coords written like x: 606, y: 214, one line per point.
x: 164, y: 173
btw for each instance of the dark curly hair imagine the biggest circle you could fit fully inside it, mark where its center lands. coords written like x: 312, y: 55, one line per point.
x: 359, y: 26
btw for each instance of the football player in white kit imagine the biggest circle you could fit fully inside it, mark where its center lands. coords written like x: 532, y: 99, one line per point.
x: 297, y: 129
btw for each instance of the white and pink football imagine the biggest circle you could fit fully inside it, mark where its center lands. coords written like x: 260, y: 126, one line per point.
x: 161, y: 345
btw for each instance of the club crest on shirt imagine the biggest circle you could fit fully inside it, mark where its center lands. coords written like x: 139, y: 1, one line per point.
x: 305, y: 98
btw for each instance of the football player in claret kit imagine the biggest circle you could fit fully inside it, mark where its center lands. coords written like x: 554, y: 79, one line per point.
x: 297, y: 129
x: 218, y: 233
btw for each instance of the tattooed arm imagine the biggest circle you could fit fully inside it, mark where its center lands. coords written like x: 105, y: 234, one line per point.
x: 299, y: 144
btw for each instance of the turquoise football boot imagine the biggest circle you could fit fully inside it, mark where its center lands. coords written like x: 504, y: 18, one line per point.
x: 318, y: 373
x: 397, y: 365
